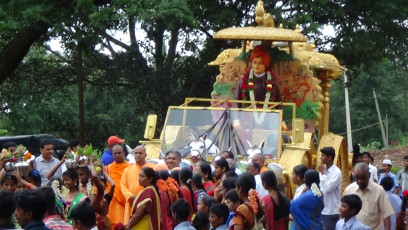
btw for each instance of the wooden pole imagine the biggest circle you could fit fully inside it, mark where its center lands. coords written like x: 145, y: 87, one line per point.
x: 380, y: 120
x: 386, y: 127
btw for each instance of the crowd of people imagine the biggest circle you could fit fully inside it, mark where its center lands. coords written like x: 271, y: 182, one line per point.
x: 206, y: 195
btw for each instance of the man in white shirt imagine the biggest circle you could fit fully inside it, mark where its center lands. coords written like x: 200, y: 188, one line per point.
x: 46, y: 162
x: 254, y: 169
x: 373, y: 169
x: 330, y: 184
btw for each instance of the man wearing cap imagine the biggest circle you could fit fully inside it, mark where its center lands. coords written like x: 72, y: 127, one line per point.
x: 107, y: 157
x: 387, y: 165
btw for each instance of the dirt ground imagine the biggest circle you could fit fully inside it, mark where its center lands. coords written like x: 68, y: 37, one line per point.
x: 396, y: 155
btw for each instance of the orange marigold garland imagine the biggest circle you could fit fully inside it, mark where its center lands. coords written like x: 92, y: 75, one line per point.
x: 162, y: 185
x: 172, y: 185
x: 253, y: 197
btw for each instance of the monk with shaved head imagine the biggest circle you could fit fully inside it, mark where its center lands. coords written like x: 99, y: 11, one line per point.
x: 129, y: 182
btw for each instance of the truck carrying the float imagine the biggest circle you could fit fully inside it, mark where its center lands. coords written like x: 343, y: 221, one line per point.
x: 288, y: 132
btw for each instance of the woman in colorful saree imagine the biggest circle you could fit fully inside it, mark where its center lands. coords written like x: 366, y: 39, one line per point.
x: 276, y: 205
x: 146, y: 207
x: 306, y: 209
x: 248, y: 213
x: 74, y: 196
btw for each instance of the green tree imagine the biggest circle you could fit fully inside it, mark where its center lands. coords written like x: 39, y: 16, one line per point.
x: 166, y: 63
x: 389, y: 82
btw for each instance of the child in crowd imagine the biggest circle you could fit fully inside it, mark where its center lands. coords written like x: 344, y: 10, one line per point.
x: 201, y: 221
x: 198, y: 188
x: 20, y: 185
x: 228, y: 184
x: 7, y: 209
x: 350, y: 206
x: 386, y: 166
x: 34, y: 178
x: 232, y: 201
x: 218, y: 217
x: 205, y: 204
x: 9, y: 182
x: 387, y: 183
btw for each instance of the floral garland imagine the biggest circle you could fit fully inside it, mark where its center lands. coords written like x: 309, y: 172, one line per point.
x: 173, y: 185
x: 253, y: 197
x: 247, y: 84
x: 162, y: 185
x: 54, y: 185
x: 316, y: 190
x: 88, y: 187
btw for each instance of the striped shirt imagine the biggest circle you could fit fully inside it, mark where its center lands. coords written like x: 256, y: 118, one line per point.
x: 55, y: 222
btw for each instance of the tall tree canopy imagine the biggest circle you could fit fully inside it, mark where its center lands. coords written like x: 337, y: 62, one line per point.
x: 163, y: 59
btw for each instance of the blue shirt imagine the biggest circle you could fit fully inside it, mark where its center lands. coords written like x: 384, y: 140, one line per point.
x: 184, y: 226
x: 222, y: 227
x: 351, y: 224
x: 107, y: 157
x: 231, y: 215
x: 396, y: 202
x: 394, y: 178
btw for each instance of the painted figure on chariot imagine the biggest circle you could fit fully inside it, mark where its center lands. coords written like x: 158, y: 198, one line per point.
x: 259, y: 82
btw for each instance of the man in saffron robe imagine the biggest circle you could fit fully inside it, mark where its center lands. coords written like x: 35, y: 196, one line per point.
x: 129, y: 182
x: 115, y: 171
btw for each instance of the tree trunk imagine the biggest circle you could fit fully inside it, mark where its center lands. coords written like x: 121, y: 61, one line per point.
x: 80, y: 78
x: 15, y: 51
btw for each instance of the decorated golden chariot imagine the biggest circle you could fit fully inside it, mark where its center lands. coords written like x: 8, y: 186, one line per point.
x: 290, y: 130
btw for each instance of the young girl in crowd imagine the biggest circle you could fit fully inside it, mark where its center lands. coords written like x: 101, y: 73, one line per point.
x: 227, y: 185
x: 204, y: 170
x: 74, y: 196
x: 186, y: 190
x: 248, y: 213
x: 165, y: 200
x: 198, y: 187
x: 206, y: 203
x: 9, y: 182
x: 297, y: 178
x: 200, y: 221
x: 175, y: 174
x: 221, y: 167
x: 276, y: 205
x: 102, y: 220
x: 90, y: 185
